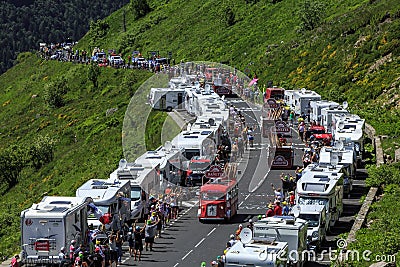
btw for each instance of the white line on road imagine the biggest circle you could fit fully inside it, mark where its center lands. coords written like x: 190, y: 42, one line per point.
x: 247, y: 197
x: 187, y: 254
x: 240, y: 204
x: 176, y: 264
x: 200, y: 242
x: 211, y: 231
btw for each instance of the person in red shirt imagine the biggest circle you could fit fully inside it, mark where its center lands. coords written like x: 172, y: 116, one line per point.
x: 291, y: 198
x: 278, y: 208
x: 270, y: 212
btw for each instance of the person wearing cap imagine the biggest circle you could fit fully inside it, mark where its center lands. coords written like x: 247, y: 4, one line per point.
x: 138, y: 243
x: 203, y: 264
x: 220, y: 262
x: 150, y: 234
x: 214, y: 264
x: 72, y: 250
x: 278, y: 193
x: 270, y: 212
x: 285, y: 208
x: 231, y: 241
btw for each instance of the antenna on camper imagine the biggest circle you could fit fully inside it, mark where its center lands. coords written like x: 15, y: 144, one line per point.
x: 303, y: 90
x: 122, y: 164
x: 168, y: 146
x: 345, y: 105
x: 296, y: 211
x: 246, y: 235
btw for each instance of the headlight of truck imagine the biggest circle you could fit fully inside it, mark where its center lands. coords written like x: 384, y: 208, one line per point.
x: 315, y: 234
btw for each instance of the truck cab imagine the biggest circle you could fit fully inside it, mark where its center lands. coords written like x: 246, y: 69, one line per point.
x: 315, y: 215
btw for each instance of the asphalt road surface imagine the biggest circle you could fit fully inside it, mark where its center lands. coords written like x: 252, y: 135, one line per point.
x: 187, y: 242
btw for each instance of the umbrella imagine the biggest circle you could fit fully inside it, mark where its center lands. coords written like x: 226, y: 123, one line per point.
x: 253, y: 82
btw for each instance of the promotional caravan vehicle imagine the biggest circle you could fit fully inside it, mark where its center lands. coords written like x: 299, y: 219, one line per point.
x: 321, y: 188
x: 315, y: 215
x: 275, y: 93
x: 262, y: 252
x: 166, y: 98
x: 107, y: 196
x: 51, y: 224
x: 219, y: 196
x: 285, y: 229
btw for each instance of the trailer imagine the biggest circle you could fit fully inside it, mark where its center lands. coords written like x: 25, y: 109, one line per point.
x: 299, y: 100
x: 109, y: 198
x: 317, y: 106
x: 51, y: 224
x: 166, y: 98
x: 327, y: 116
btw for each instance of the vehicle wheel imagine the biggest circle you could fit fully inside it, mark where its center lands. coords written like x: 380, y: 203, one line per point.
x: 169, y: 109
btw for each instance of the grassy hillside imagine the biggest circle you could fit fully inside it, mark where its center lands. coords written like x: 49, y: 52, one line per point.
x: 352, y: 55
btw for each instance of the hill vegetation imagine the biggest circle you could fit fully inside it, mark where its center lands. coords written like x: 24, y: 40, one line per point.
x: 345, y: 50
x: 26, y: 23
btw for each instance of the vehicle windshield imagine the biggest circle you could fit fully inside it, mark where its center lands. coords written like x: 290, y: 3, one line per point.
x: 135, y: 193
x: 313, y: 219
x: 199, y: 166
x: 313, y: 201
x: 212, y: 196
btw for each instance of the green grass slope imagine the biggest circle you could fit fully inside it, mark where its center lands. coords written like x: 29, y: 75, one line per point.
x: 353, y: 55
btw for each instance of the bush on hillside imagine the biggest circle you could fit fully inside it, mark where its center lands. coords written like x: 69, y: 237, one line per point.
x: 54, y: 93
x: 383, y: 175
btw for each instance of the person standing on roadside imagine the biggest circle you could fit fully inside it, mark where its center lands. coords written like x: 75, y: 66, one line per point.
x: 14, y: 261
x: 150, y: 234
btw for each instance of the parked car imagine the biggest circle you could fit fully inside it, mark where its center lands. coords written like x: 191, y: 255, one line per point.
x: 115, y: 60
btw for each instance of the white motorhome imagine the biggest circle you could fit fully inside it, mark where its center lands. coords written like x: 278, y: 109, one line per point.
x: 166, y: 98
x: 350, y: 130
x: 317, y: 106
x: 108, y: 196
x: 285, y: 229
x: 51, y: 224
x: 322, y: 188
x: 261, y: 252
x: 302, y: 99
x: 315, y: 215
x: 327, y: 116
x: 195, y: 143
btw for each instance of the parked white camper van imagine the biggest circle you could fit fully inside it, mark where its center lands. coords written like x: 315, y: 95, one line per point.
x: 106, y: 195
x: 53, y: 223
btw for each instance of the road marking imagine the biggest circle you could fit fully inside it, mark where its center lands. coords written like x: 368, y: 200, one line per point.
x: 176, y: 264
x: 200, y: 242
x: 187, y: 254
x: 211, y: 231
x: 240, y: 204
x: 247, y: 197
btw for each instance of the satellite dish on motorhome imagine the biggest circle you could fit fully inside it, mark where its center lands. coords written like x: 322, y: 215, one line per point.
x: 334, y: 158
x: 189, y: 127
x: 303, y: 90
x: 339, y: 144
x: 340, y: 125
x: 345, y: 105
x: 168, y: 146
x: 246, y: 235
x: 122, y: 164
x: 296, y: 211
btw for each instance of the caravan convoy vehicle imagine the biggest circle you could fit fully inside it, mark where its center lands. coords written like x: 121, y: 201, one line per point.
x: 327, y: 116
x: 315, y: 215
x: 108, y: 197
x: 218, y: 197
x: 285, y: 229
x: 316, y: 109
x: 322, y: 188
x: 166, y: 98
x: 300, y: 100
x: 51, y: 224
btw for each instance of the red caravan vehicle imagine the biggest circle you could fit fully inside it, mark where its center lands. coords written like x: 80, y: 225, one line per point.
x: 274, y: 93
x: 218, y: 197
x: 319, y: 133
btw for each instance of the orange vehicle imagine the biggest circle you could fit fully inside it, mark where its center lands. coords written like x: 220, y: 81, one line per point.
x: 218, y: 199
